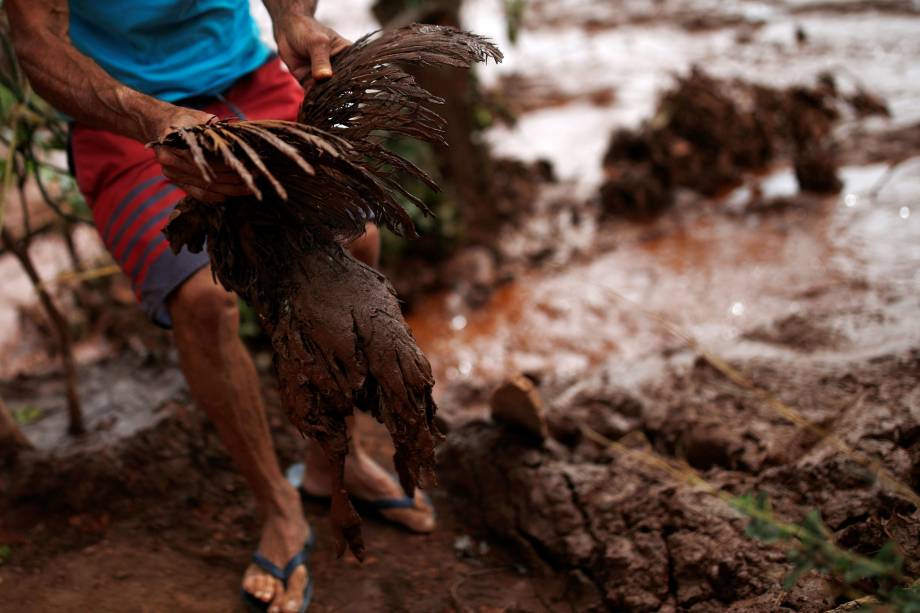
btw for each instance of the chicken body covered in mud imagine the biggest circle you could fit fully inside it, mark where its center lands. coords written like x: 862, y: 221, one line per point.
x: 338, y: 335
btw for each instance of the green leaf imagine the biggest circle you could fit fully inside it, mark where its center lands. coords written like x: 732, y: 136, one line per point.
x: 801, y: 567
x: 888, y: 556
x: 814, y: 525
x: 763, y: 531
x: 5, y: 553
x: 857, y: 571
x: 28, y: 414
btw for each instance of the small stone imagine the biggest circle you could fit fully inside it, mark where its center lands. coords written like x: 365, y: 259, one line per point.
x: 708, y: 445
x: 517, y: 402
x: 463, y: 545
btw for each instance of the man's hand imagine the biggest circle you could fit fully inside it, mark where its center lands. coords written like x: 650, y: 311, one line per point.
x: 304, y: 44
x: 180, y: 168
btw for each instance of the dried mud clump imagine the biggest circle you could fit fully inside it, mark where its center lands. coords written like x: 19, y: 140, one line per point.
x: 637, y: 539
x: 706, y: 133
x: 337, y: 332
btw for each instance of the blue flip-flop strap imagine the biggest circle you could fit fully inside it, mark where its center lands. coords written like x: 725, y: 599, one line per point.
x: 268, y: 566
x: 406, y: 502
x: 301, y: 557
x: 293, y: 563
x: 392, y: 503
x: 295, y: 474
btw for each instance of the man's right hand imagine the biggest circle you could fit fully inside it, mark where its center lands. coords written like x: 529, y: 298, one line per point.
x: 180, y: 168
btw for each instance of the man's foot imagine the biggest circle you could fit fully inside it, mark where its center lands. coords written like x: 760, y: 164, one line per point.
x: 283, y: 535
x: 366, y: 480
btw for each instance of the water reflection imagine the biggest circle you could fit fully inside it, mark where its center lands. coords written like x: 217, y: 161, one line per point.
x: 716, y: 274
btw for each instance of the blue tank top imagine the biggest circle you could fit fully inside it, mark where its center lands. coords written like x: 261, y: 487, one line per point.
x: 169, y: 49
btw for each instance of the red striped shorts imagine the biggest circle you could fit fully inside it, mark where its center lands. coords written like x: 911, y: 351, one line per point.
x: 131, y: 199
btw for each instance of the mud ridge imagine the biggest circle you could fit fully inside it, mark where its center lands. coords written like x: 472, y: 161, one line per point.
x: 648, y: 543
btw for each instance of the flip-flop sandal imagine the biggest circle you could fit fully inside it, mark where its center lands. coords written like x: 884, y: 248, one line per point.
x: 294, y: 475
x: 283, y: 574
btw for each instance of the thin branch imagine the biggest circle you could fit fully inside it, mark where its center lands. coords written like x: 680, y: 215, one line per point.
x: 74, y: 411
x: 52, y: 202
x: 26, y: 214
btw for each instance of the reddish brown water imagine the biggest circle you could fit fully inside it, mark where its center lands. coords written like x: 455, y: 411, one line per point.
x: 713, y: 273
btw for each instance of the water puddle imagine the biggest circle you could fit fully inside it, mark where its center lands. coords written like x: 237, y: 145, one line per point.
x: 635, y: 48
x: 715, y: 274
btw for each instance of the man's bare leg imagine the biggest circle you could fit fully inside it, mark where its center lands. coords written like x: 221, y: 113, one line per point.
x: 224, y: 383
x: 364, y: 478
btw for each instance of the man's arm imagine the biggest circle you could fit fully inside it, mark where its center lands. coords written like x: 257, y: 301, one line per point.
x: 74, y: 84
x: 304, y: 44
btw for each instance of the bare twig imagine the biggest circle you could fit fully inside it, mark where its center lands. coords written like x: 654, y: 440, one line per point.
x: 75, y: 413
x: 78, y: 276
x: 887, y: 176
x: 24, y: 204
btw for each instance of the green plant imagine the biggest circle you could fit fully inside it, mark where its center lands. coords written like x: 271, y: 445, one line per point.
x: 33, y: 135
x: 514, y: 18
x: 28, y: 414
x: 813, y: 548
x: 440, y: 233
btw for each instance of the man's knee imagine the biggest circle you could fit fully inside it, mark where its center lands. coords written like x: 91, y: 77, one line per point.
x: 204, y: 310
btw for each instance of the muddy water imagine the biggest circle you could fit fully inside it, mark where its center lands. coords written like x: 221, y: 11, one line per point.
x: 714, y: 274
x: 636, y: 47
x: 853, y: 261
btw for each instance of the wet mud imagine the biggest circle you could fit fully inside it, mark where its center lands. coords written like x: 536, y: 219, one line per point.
x: 805, y: 299
x: 707, y: 133
x: 832, y: 335
x: 148, y: 513
x: 646, y: 542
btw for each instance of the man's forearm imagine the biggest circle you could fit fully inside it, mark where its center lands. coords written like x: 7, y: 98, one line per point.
x: 71, y: 81
x: 279, y: 8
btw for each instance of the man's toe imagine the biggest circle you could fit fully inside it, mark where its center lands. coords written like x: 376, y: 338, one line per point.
x: 420, y: 518
x: 253, y: 581
x: 274, y: 588
x: 260, y: 584
x: 290, y: 600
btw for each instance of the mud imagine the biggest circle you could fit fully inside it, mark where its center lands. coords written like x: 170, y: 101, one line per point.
x: 572, y: 507
x: 832, y: 335
x: 148, y: 513
x: 707, y: 133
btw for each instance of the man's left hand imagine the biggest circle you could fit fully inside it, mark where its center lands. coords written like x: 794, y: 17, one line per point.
x: 307, y: 46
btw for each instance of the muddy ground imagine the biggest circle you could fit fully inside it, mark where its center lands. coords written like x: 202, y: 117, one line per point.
x: 813, y: 298
x: 148, y: 514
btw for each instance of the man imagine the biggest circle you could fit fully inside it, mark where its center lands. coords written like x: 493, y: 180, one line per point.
x: 128, y: 72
